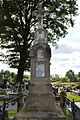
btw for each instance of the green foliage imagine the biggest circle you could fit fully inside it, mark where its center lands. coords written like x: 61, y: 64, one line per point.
x: 54, y: 78
x: 69, y: 115
x: 7, y: 76
x: 12, y: 113
x: 75, y: 97
x: 78, y: 77
x: 26, y: 79
x: 63, y: 79
x: 71, y: 76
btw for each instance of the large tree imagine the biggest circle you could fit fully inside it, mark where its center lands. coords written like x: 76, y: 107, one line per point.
x: 17, y: 25
x: 71, y: 76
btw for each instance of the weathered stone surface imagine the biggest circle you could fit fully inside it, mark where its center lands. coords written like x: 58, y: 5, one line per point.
x: 38, y: 115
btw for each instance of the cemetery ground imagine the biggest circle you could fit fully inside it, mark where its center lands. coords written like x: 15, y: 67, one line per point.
x: 71, y: 93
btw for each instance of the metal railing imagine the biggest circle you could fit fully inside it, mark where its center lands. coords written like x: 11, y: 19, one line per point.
x: 5, y: 105
x: 13, y: 99
x: 73, y: 108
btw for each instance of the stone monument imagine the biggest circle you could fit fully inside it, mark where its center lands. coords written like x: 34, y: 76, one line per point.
x: 40, y: 103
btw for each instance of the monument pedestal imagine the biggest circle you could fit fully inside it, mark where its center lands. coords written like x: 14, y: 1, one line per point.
x: 40, y: 116
x: 40, y: 105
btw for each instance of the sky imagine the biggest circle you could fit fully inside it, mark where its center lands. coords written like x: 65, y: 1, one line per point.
x: 67, y: 56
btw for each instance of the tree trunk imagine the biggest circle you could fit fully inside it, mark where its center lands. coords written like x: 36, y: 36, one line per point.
x: 21, y: 66
x: 19, y: 79
x: 20, y: 74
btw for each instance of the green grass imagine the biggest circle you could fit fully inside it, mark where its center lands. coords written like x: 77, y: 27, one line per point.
x: 75, y: 97
x: 68, y: 116
x: 12, y: 113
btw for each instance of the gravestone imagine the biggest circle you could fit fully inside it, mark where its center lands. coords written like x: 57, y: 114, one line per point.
x: 40, y: 103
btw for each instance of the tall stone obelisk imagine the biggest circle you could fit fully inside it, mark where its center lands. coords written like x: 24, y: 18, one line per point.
x: 40, y: 103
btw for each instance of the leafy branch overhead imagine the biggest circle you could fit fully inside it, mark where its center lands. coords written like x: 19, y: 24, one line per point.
x: 17, y: 24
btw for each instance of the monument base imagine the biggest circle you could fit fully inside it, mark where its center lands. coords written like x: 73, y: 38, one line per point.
x: 39, y: 115
x: 40, y: 105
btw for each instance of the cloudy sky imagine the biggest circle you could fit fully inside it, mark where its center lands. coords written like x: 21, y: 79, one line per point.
x: 67, y: 56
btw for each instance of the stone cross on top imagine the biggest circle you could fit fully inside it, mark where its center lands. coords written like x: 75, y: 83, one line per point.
x: 40, y: 35
x: 40, y: 13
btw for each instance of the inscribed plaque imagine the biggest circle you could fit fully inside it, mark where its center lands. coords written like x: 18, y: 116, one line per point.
x: 40, y: 69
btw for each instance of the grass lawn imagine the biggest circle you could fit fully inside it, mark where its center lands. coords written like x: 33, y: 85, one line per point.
x: 75, y: 97
x: 12, y: 113
x: 69, y: 116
